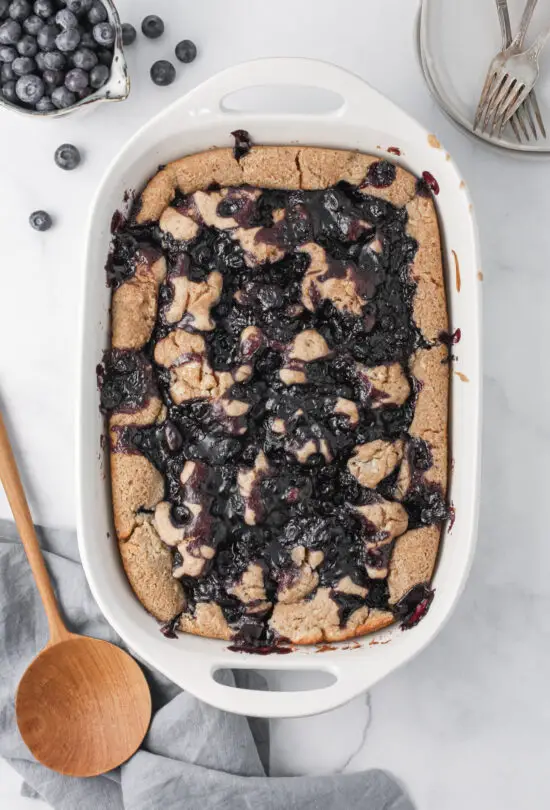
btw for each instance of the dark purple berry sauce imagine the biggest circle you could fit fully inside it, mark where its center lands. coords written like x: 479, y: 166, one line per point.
x: 243, y: 144
x: 412, y: 607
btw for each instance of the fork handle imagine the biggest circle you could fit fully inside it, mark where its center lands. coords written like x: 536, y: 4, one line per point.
x: 504, y: 20
x: 526, y: 18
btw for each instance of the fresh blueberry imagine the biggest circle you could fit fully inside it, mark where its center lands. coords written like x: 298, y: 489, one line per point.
x: 20, y: 10
x: 29, y: 89
x: 152, y: 26
x: 67, y: 157
x: 63, y: 98
x: 129, y: 34
x: 10, y: 31
x: 98, y: 76
x: 44, y: 104
x: 68, y: 40
x: 186, y: 51
x: 6, y: 73
x: 4, y: 6
x: 27, y: 45
x: 33, y: 25
x: 97, y: 13
x: 76, y: 80
x: 55, y: 60
x: 87, y: 40
x: 44, y: 8
x: 163, y: 73
x: 7, y: 53
x: 46, y: 37
x: 84, y: 58
x: 40, y: 221
x: 105, y: 57
x: 79, y: 7
x: 52, y: 79
x: 104, y: 34
x: 66, y: 19
x: 8, y: 91
x: 23, y: 65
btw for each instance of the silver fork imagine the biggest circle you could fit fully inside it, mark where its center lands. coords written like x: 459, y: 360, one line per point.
x: 518, y: 120
x: 500, y: 96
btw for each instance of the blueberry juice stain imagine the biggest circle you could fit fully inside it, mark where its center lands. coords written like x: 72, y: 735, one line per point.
x: 310, y: 504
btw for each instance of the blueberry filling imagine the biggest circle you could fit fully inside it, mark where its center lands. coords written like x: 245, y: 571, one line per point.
x: 380, y: 174
x: 310, y: 503
x: 414, y: 605
x: 243, y: 144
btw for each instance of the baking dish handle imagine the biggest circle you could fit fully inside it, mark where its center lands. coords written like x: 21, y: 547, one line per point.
x: 285, y: 71
x: 351, y: 679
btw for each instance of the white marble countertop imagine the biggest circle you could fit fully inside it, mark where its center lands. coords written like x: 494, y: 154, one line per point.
x: 466, y: 723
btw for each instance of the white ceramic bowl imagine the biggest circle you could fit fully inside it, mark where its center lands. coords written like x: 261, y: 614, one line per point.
x: 364, y: 120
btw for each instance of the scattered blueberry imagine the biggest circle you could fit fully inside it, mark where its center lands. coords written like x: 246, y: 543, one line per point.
x: 84, y: 58
x: 23, y: 65
x: 29, y: 89
x: 52, y: 79
x: 79, y: 7
x: 55, y: 60
x: 40, y: 221
x: 186, y: 51
x: 76, y: 80
x: 27, y: 45
x: 129, y: 34
x: 97, y: 13
x: 66, y: 19
x: 33, y: 25
x: 6, y: 73
x: 152, y: 26
x: 163, y: 73
x: 8, y: 91
x: 63, y: 98
x: 99, y: 76
x: 7, y: 53
x: 44, y: 8
x: 10, y: 31
x: 46, y: 37
x: 20, y: 10
x: 68, y: 40
x: 104, y: 34
x: 67, y: 157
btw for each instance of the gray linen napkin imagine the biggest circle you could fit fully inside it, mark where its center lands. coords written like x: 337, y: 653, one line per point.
x: 193, y: 758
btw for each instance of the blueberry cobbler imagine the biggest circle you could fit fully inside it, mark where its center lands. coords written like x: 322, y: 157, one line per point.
x: 277, y: 394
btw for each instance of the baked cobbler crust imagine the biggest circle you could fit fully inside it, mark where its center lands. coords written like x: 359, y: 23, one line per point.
x: 220, y: 450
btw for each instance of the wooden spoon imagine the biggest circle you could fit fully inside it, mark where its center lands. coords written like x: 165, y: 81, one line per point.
x: 83, y: 705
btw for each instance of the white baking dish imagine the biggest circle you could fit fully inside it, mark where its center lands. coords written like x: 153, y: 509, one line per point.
x: 363, y: 120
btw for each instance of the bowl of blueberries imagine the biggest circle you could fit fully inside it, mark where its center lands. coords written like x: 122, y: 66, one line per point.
x: 57, y: 56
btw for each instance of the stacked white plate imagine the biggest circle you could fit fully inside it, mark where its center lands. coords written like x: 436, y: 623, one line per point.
x: 456, y: 44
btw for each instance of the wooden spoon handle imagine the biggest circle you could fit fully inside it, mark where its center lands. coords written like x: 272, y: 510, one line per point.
x: 9, y: 475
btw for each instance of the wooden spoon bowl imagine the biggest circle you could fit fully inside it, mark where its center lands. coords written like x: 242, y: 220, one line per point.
x: 83, y: 705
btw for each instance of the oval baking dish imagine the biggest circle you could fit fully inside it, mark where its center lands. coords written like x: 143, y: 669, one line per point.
x: 361, y: 119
